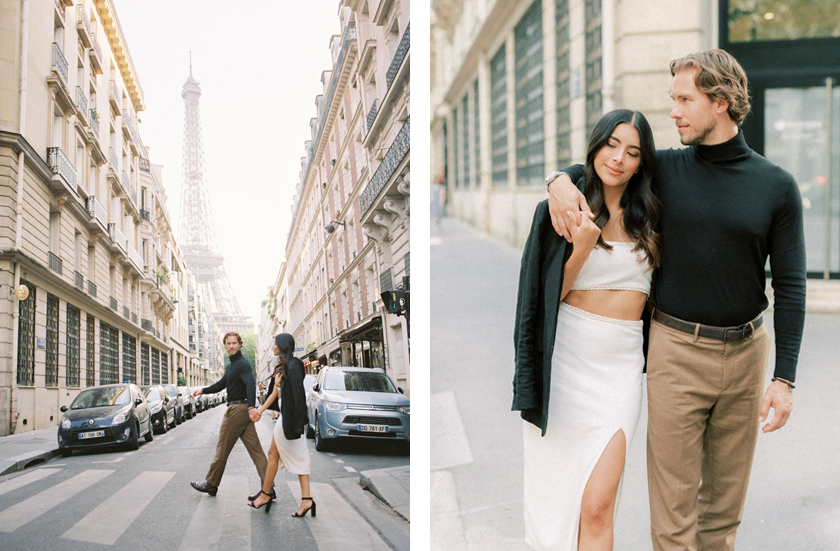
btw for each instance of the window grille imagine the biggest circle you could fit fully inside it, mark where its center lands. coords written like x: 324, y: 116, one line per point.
x: 498, y: 117
x: 456, y: 155
x: 129, y: 346
x: 592, y: 41
x: 90, y: 345
x: 528, y: 93
x: 26, y: 339
x: 476, y: 158
x: 564, y: 92
x: 52, y: 342
x: 155, y: 366
x: 109, y: 354
x: 144, y: 364
x: 74, y: 318
x: 164, y: 368
x: 465, y: 141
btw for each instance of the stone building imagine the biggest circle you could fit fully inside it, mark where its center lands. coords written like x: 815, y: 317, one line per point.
x: 93, y: 284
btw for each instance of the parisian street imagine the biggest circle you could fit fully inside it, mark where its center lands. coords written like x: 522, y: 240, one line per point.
x: 476, y: 458
x: 117, y: 499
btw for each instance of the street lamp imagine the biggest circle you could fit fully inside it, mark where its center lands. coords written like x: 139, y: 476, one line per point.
x: 330, y: 228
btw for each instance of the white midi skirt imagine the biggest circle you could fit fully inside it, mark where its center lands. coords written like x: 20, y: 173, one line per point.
x: 596, y: 390
x: 294, y: 454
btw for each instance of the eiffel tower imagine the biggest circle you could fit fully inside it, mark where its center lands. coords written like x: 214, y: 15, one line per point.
x: 197, y: 236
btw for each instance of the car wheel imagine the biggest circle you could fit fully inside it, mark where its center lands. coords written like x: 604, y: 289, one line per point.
x: 178, y: 416
x: 150, y: 434
x: 164, y: 423
x: 309, y: 432
x: 66, y: 453
x: 134, y: 439
x: 320, y: 444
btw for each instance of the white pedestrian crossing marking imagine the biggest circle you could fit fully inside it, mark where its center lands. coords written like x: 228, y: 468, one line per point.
x: 338, y: 527
x: 28, y: 510
x: 221, y: 522
x: 338, y: 460
x: 25, y: 479
x: 350, y: 469
x: 107, y: 522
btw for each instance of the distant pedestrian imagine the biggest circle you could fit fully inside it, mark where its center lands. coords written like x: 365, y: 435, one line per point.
x: 578, y: 336
x: 288, y: 449
x: 438, y: 201
x: 238, y: 421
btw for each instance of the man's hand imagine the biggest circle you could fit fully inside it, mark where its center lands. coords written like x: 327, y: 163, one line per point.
x: 778, y: 396
x: 563, y: 197
x: 196, y: 393
x: 254, y: 414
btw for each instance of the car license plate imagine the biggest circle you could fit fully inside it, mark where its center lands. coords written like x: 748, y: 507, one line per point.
x: 372, y: 428
x: 91, y: 434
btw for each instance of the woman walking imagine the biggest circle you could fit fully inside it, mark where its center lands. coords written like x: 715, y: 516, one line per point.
x: 579, y: 338
x: 288, y: 449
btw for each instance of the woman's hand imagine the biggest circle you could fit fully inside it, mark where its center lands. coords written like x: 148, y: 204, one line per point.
x: 584, y: 235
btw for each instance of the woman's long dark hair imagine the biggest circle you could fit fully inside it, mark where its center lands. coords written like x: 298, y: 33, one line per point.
x: 640, y: 205
x: 286, y: 343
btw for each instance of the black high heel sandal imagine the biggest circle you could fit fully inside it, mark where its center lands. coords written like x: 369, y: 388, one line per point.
x: 267, y: 503
x: 310, y: 509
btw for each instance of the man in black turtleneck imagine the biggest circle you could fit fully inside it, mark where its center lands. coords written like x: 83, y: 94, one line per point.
x: 725, y: 210
x: 239, y: 419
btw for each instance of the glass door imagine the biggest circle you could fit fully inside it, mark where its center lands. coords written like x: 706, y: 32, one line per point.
x: 802, y: 135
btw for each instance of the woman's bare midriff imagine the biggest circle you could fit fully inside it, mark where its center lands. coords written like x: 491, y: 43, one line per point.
x: 616, y: 304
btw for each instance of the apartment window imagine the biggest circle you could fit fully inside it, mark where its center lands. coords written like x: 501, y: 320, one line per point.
x: 498, y: 117
x: 456, y: 157
x: 164, y: 368
x: 592, y: 10
x: 155, y: 366
x: 129, y: 349
x: 109, y: 354
x: 465, y: 141
x: 144, y: 364
x: 52, y: 342
x: 90, y: 348
x: 26, y: 338
x: 476, y: 156
x: 55, y: 231
x: 74, y: 319
x: 530, y: 133
x: 564, y: 95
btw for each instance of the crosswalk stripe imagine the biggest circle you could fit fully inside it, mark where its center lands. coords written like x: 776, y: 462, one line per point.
x: 107, y: 522
x: 25, y: 479
x: 28, y: 510
x: 338, y: 527
x: 221, y: 522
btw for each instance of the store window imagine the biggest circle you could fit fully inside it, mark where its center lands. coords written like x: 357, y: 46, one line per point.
x: 498, y: 118
x: 771, y: 20
x: 530, y: 115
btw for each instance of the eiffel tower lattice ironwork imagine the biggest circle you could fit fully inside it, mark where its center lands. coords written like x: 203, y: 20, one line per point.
x: 196, y: 233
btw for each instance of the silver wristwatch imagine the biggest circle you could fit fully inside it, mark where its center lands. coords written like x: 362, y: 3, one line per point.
x: 550, y: 178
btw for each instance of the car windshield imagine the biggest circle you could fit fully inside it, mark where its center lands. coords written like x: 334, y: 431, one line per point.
x: 151, y: 393
x: 171, y: 390
x: 358, y: 381
x: 98, y: 397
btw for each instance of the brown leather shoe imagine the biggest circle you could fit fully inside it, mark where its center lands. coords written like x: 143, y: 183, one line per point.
x: 205, y: 487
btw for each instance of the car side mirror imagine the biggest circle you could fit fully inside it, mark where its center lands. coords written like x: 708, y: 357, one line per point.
x: 399, y: 388
x: 138, y: 401
x: 63, y: 409
x: 316, y: 388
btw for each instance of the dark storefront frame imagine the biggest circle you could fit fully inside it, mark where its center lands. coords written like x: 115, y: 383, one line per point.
x: 775, y: 64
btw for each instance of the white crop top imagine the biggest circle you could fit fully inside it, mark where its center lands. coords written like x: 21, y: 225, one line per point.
x: 619, y: 269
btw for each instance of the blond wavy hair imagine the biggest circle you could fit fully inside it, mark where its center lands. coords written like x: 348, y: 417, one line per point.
x: 719, y: 76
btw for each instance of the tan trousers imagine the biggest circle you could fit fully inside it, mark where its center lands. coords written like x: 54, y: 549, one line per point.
x: 704, y: 398
x: 236, y: 425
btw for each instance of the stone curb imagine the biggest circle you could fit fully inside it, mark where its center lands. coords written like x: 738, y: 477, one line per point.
x: 384, y: 484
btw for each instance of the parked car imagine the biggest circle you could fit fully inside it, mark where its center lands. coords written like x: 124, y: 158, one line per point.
x: 175, y: 396
x: 188, y: 401
x: 103, y: 416
x: 357, y: 402
x: 200, y: 400
x: 161, y: 406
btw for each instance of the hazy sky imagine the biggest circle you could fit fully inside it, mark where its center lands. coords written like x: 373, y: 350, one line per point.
x: 259, y: 68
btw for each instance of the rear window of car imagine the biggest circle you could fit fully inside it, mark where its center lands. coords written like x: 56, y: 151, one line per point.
x: 98, y: 397
x: 151, y: 393
x: 358, y: 381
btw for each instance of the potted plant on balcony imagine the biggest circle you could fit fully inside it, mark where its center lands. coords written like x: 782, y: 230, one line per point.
x: 162, y: 275
x: 94, y: 114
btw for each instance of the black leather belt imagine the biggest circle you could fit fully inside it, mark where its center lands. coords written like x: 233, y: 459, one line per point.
x: 725, y: 334
x: 237, y: 402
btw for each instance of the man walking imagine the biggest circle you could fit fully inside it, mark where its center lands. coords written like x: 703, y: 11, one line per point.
x: 239, y: 419
x: 725, y: 210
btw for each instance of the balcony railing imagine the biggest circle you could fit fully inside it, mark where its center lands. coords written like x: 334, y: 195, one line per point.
x: 59, y: 61
x: 144, y: 165
x: 112, y: 303
x: 97, y: 55
x: 94, y: 123
x: 399, y: 56
x: 134, y: 318
x: 145, y: 215
x: 117, y: 235
x: 113, y: 157
x: 135, y: 257
x: 126, y: 313
x: 398, y: 150
x: 54, y: 263
x: 92, y: 289
x: 147, y: 325
x: 371, y: 116
x: 96, y: 210
x: 114, y: 94
x: 82, y: 20
x: 80, y: 281
x: 127, y: 122
x: 61, y: 165
x: 82, y: 102
x: 132, y: 194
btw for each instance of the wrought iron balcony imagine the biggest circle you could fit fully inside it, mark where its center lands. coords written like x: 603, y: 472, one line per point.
x: 82, y: 102
x: 83, y: 25
x: 96, y: 56
x: 59, y: 61
x: 136, y: 258
x: 92, y: 289
x: 145, y: 215
x: 398, y: 150
x: 97, y: 211
x: 126, y: 118
x: 114, y: 95
x: 125, y: 182
x: 112, y: 303
x: 371, y: 116
x: 80, y: 281
x: 61, y: 165
x: 399, y: 56
x: 117, y: 236
x: 94, y: 122
x: 54, y: 263
x: 144, y: 165
x: 126, y: 313
x: 147, y: 325
x: 134, y: 318
x: 113, y: 158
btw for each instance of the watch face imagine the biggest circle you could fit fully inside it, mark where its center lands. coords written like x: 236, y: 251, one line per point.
x: 552, y: 176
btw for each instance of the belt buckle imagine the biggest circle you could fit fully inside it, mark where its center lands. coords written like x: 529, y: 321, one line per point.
x: 745, y: 330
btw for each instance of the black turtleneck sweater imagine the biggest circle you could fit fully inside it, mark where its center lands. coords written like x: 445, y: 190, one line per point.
x: 725, y: 209
x: 239, y: 381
